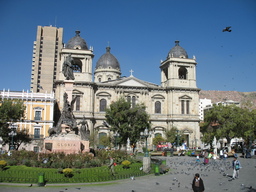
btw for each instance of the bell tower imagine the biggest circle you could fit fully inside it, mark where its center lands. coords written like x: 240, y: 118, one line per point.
x: 81, y: 56
x: 178, y: 70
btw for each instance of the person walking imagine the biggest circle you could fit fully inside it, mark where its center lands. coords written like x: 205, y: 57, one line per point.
x: 171, y: 151
x: 197, y: 184
x: 111, y: 166
x: 236, y: 168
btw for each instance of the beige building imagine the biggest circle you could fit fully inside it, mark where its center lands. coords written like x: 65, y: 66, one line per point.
x: 38, y: 117
x: 174, y: 103
x: 45, y: 61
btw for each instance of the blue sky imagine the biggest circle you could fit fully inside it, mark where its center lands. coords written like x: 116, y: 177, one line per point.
x: 140, y: 34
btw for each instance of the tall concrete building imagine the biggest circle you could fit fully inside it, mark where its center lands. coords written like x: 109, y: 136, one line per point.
x: 46, y: 58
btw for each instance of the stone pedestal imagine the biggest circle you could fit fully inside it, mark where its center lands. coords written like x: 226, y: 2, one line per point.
x: 146, y: 164
x: 68, y: 144
x: 69, y: 88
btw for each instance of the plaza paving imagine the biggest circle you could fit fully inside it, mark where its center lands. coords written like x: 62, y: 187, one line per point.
x: 216, y: 176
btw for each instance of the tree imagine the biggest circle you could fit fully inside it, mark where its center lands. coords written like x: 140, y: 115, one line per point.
x: 12, y: 111
x: 105, y: 141
x: 247, y: 124
x: 127, y: 121
x: 22, y: 137
x: 227, y: 122
x: 158, y: 139
x: 171, y: 135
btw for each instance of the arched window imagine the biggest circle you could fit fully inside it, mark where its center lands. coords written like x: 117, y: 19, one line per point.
x: 183, y: 73
x: 158, y: 135
x: 129, y: 99
x: 157, y: 107
x: 133, y: 101
x: 103, y: 105
x: 76, y: 106
x: 101, y: 138
x: 77, y: 66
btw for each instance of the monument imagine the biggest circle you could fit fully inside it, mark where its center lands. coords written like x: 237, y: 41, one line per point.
x: 66, y: 136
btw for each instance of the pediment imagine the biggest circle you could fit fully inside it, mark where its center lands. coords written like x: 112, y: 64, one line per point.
x: 185, y: 97
x: 77, y: 92
x: 132, y: 83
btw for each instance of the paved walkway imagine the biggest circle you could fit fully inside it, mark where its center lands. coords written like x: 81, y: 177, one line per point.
x: 216, y: 176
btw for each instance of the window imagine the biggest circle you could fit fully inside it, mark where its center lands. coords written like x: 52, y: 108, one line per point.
x: 76, y: 105
x: 184, y: 106
x: 129, y: 99
x: 158, y: 135
x: 182, y: 73
x: 103, y: 105
x: 36, y: 149
x: 37, y: 133
x: 38, y: 115
x: 187, y: 104
x: 133, y: 101
x: 157, y: 107
x: 101, y: 140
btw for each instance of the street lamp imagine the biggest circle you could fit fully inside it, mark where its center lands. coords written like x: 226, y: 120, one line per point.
x: 116, y: 135
x: 145, y: 135
x: 12, y: 134
x: 1, y: 146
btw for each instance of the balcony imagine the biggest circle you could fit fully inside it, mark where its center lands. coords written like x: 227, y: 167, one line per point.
x: 36, y: 137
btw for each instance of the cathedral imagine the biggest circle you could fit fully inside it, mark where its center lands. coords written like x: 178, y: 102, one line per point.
x: 173, y: 103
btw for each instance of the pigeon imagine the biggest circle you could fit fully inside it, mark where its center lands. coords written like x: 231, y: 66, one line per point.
x: 227, y: 29
x: 132, y: 191
x: 157, y: 183
x: 132, y: 178
x: 30, y: 185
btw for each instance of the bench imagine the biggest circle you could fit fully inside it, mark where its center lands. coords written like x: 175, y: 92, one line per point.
x: 156, y: 153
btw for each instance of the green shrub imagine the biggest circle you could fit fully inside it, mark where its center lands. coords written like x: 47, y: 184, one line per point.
x: 12, y: 162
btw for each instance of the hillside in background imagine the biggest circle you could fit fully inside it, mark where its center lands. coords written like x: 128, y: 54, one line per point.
x: 245, y: 98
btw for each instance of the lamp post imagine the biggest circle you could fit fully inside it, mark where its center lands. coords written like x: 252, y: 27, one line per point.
x: 12, y: 134
x: 116, y: 135
x: 145, y: 134
x: 1, y: 141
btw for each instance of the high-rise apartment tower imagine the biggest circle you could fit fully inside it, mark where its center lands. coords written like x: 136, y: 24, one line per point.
x: 46, y: 57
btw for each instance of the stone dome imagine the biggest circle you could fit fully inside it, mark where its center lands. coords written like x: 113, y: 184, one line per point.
x: 177, y: 52
x: 77, y: 42
x: 107, y: 61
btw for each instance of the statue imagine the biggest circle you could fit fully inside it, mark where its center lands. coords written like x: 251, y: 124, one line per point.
x: 67, y: 68
x: 84, y: 130
x: 67, y: 117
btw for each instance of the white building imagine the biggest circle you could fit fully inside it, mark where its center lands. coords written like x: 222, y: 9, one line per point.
x: 204, y: 104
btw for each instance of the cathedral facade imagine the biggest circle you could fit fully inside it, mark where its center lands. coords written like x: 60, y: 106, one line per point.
x: 174, y: 103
